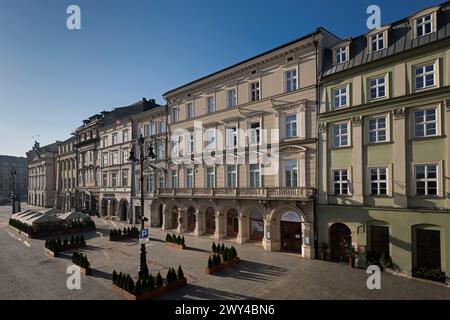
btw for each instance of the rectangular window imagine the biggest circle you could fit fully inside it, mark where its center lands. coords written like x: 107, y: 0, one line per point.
x: 105, y: 160
x: 151, y: 128
x: 231, y: 176
x: 425, y: 76
x: 113, y: 179
x: 149, y: 184
x: 377, y: 88
x: 189, y: 178
x: 424, y: 25
x: 290, y: 77
x: 162, y: 127
x: 378, y: 181
x: 232, y: 98
x: 190, y: 110
x: 340, y: 97
x: 211, y: 139
x: 161, y: 151
x: 377, y: 130
x: 291, y: 126
x: 425, y: 122
x: 191, y: 143
x: 114, y: 159
x: 341, y: 54
x: 210, y: 177
x: 105, y: 180
x: 340, y: 178
x: 125, y: 136
x: 231, y: 134
x: 255, y: 133
x: 340, y: 135
x: 377, y: 42
x: 114, y: 138
x: 125, y: 156
x: 255, y: 91
x: 291, y: 173
x: 255, y: 176
x: 174, y: 115
x: 125, y: 178
x: 105, y: 142
x: 210, y: 104
x: 426, y: 180
x: 174, y: 177
x: 162, y: 182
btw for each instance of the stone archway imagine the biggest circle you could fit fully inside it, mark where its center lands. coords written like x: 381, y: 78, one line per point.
x: 210, y: 221
x: 291, y: 232
x: 340, y: 241
x: 123, y: 210
x: 232, y: 223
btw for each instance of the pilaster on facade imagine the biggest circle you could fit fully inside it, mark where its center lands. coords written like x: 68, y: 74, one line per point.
x: 400, y: 164
x: 358, y: 163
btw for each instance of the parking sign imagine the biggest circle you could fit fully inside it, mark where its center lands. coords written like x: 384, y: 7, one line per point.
x: 144, y: 233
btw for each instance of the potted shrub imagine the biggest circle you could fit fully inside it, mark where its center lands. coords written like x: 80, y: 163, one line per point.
x: 324, y: 251
x: 351, y: 255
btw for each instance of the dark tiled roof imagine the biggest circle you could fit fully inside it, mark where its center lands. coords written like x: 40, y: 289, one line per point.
x: 124, y: 112
x: 400, y: 40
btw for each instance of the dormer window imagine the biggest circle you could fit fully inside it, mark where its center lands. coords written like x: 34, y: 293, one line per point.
x: 424, y: 25
x: 341, y: 54
x: 377, y: 42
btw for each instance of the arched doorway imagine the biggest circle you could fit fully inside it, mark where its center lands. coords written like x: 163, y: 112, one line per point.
x: 210, y: 221
x: 340, y: 241
x: 256, y: 225
x: 104, y: 207
x: 291, y: 232
x: 160, y: 214
x: 174, y: 217
x: 123, y: 210
x: 191, y: 219
x: 232, y: 223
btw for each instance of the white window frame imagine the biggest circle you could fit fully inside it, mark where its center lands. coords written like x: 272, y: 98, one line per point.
x: 377, y: 129
x: 437, y: 121
x: 285, y: 171
x: 235, y: 176
x: 233, y: 136
x: 122, y: 176
x: 162, y: 181
x: 208, y: 144
x: 293, y: 80
x: 256, y: 91
x: 427, y: 180
x: 340, y: 135
x: 114, y: 158
x: 420, y: 22
x: 175, y: 114
x: 341, y: 182
x: 174, y: 178
x: 230, y: 99
x: 255, y: 133
x: 339, y: 52
x: 340, y: 96
x: 378, y: 181
x: 114, y: 139
x: 208, y: 176
x: 125, y: 136
x: 114, y: 184
x: 208, y: 105
x: 105, y: 159
x: 125, y: 155
x: 290, y: 127
x: 190, y: 110
x: 375, y: 39
x: 190, y: 174
x: 254, y: 176
x: 162, y: 127
x: 435, y: 74
x: 161, y: 150
x: 377, y: 87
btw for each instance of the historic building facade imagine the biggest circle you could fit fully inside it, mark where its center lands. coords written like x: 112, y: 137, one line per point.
x: 42, y: 175
x: 384, y: 144
x: 152, y: 125
x: 66, y: 175
x: 117, y: 134
x: 7, y: 163
x: 243, y: 150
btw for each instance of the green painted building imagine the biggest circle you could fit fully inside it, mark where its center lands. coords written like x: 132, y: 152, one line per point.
x: 384, y: 145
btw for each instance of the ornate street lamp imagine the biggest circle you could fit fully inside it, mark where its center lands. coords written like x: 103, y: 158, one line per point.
x: 141, y: 160
x: 13, y: 193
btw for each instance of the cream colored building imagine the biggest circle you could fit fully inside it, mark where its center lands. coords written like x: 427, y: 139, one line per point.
x: 42, y: 175
x: 66, y: 175
x: 266, y: 100
x: 384, y: 144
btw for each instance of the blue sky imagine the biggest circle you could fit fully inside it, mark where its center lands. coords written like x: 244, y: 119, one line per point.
x: 52, y: 78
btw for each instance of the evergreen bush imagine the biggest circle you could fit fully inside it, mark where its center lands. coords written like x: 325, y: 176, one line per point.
x: 180, y: 273
x: 210, y: 262
x: 214, y: 249
x: 159, y: 280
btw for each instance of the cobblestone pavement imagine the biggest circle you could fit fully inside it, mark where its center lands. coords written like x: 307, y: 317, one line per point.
x: 261, y: 274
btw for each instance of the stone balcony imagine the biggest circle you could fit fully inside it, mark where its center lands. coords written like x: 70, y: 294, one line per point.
x: 281, y: 193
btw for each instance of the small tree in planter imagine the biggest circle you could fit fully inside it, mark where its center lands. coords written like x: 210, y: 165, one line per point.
x: 222, y: 249
x: 324, y: 251
x: 168, y: 238
x: 114, y: 277
x: 180, y: 273
x: 159, y: 280
x: 210, y: 262
x: 214, y: 248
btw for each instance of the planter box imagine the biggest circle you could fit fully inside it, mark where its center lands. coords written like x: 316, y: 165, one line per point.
x: 176, y: 246
x: 151, y: 293
x: 223, y: 265
x: 87, y: 271
x: 118, y: 238
x: 54, y: 254
x: 51, y: 234
x: 20, y: 232
x: 51, y: 253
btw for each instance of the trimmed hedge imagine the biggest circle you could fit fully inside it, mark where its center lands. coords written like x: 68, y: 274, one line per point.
x: 56, y: 245
x: 116, y: 234
x: 65, y: 227
x: 81, y: 260
x: 226, y: 252
x: 177, y: 239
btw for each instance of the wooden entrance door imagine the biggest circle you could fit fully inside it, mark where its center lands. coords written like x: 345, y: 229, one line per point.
x: 232, y: 223
x: 291, y: 236
x: 174, y: 217
x: 428, y: 249
x: 191, y: 219
x: 210, y: 221
x: 256, y: 226
x: 341, y: 240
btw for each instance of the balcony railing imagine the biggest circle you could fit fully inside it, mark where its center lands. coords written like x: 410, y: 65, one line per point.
x: 241, y: 193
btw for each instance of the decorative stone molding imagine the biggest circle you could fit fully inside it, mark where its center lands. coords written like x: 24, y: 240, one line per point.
x: 399, y: 113
x: 281, y: 106
x: 357, y: 121
x: 231, y: 121
x: 323, y: 127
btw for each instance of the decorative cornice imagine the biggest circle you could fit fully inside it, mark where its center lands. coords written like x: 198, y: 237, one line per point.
x: 231, y: 120
x: 399, y: 113
x: 357, y: 121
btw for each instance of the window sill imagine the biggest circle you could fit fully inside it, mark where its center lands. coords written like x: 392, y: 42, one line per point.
x: 426, y: 88
x: 439, y: 136
x: 370, y: 144
x: 339, y: 108
x: 341, y: 148
x: 431, y: 197
x: 370, y: 100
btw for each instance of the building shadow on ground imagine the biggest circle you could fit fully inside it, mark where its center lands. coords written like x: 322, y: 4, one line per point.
x: 195, y: 292
x: 253, y: 271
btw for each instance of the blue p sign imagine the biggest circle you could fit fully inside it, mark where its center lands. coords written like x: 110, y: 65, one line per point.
x: 144, y: 233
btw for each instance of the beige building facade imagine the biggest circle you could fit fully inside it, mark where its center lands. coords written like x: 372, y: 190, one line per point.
x: 243, y: 152
x: 66, y: 175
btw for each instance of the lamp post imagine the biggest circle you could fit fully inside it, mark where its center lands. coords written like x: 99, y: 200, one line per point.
x: 143, y: 268
x: 13, y: 193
